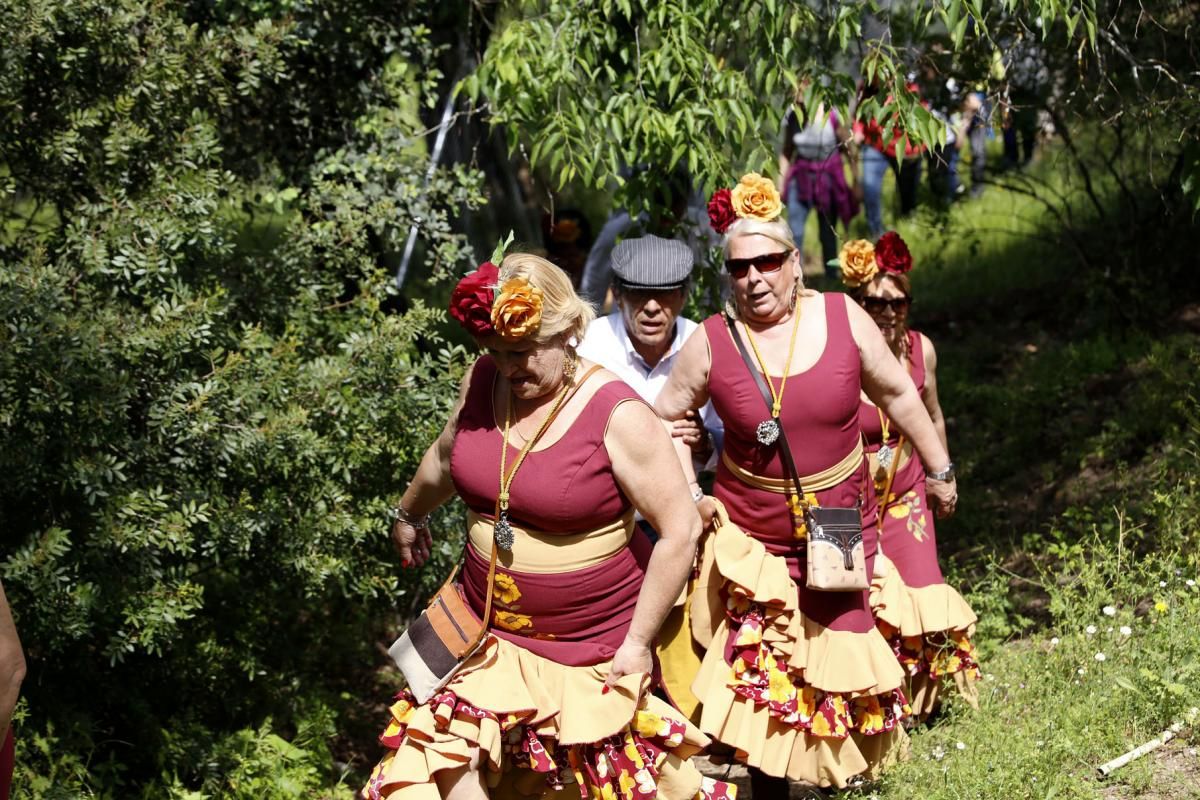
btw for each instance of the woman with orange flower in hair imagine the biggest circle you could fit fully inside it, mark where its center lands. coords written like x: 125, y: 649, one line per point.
x: 551, y: 456
x: 927, y: 623
x: 796, y: 677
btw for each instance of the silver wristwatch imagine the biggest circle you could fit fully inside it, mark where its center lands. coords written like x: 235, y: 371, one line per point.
x: 944, y: 475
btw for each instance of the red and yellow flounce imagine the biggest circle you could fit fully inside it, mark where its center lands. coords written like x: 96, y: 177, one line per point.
x: 540, y: 729
x: 794, y: 698
x: 929, y: 629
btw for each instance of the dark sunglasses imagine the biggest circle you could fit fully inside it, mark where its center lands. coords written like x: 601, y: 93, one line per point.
x: 767, y: 262
x: 876, y: 305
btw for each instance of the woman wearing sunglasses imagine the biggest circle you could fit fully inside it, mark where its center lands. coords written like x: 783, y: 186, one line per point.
x: 927, y: 623
x: 797, y: 681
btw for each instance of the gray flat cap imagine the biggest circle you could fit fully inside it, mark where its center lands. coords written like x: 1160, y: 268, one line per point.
x: 651, y: 262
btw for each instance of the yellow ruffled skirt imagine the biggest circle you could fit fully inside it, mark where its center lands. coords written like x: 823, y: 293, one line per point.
x: 929, y: 630
x: 541, y: 729
x: 795, y: 699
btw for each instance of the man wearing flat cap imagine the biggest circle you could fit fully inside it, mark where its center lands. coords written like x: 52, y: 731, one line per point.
x: 640, y: 339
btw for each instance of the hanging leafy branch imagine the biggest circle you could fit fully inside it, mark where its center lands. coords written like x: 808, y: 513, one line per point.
x: 588, y: 89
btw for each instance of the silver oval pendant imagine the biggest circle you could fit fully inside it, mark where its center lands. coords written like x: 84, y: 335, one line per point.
x: 768, y: 432
x: 505, y: 538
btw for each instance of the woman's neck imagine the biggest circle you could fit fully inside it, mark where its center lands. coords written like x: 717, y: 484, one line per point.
x: 762, y: 324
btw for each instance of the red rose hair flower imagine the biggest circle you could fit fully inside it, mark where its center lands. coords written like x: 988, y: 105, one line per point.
x: 720, y: 211
x: 891, y: 254
x: 471, y: 301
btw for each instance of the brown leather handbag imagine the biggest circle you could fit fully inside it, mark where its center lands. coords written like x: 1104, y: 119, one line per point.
x: 439, y: 641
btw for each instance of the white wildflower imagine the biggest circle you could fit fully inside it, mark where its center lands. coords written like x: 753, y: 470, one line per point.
x: 1100, y: 656
x: 1110, y: 611
x: 1090, y: 629
x: 1080, y: 671
x: 961, y: 746
x: 1053, y: 641
x: 1162, y: 584
x: 1126, y: 630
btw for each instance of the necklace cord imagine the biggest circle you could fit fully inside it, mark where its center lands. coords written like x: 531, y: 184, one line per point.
x: 776, y: 397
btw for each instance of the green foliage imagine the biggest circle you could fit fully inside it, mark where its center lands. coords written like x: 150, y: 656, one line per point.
x: 206, y: 407
x: 594, y: 87
x: 1117, y: 662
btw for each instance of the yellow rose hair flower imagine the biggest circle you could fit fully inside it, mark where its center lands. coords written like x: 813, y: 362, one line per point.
x: 756, y: 197
x: 857, y: 259
x: 517, y: 312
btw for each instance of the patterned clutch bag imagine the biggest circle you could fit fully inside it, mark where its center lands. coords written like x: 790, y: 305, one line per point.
x: 837, y: 560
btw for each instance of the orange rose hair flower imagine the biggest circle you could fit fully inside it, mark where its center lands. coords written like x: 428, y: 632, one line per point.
x: 857, y: 260
x: 756, y: 197
x: 517, y: 312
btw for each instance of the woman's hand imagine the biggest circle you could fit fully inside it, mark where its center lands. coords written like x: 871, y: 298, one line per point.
x: 708, y: 513
x: 414, y: 544
x: 629, y: 659
x: 943, y: 495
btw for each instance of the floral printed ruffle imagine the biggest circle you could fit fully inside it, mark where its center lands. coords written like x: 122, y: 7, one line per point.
x: 758, y: 676
x: 622, y: 767
x: 939, y: 654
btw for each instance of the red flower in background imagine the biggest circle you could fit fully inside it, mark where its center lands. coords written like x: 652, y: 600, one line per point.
x: 891, y: 253
x: 471, y: 301
x: 720, y: 211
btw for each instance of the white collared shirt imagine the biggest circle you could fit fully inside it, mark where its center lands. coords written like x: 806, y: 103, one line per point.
x: 608, y: 344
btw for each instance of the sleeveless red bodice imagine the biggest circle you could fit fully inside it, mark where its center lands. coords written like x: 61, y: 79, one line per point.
x: 566, y: 488
x: 909, y: 537
x: 575, y: 617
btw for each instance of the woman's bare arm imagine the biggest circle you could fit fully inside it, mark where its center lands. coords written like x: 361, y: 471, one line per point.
x: 647, y: 468
x: 687, y: 387
x: 12, y: 665
x: 929, y: 394
x: 430, y: 487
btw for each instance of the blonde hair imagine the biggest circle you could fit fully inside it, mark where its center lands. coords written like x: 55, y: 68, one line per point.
x: 563, y: 311
x: 777, y: 230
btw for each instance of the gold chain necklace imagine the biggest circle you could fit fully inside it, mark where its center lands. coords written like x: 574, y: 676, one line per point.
x: 768, y: 430
x: 504, y: 531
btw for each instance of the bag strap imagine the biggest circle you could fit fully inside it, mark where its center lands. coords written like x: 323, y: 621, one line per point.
x: 491, y: 579
x: 785, y: 450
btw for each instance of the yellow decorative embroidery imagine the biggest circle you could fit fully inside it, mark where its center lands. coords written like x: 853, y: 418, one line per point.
x: 506, y: 590
x: 512, y: 621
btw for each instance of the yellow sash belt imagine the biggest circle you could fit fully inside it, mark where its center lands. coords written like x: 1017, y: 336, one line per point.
x: 818, y: 481
x: 548, y: 553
